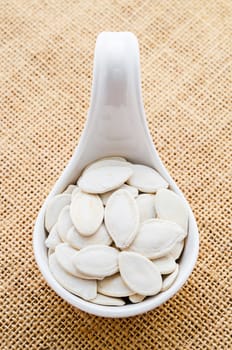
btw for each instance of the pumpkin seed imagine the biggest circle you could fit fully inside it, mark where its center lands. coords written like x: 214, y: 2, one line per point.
x: 156, y: 238
x: 146, y: 205
x: 170, y: 206
x: 86, y: 289
x: 77, y: 189
x: 139, y: 273
x: 76, y: 240
x: 165, y: 265
x: 64, y: 254
x: 170, y: 279
x: 122, y: 218
x: 64, y: 223
x: 104, y: 179
x: 86, y: 211
x: 114, y: 286
x: 70, y: 189
x: 134, y: 191
x: 53, y: 238
x: 108, y: 161
x: 146, y: 179
x: 50, y: 251
x: 97, y: 261
x: 176, y: 251
x: 104, y: 300
x: 54, y: 207
x: 136, y: 298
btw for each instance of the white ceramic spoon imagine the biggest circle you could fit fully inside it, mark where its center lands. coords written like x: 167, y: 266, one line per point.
x: 116, y: 126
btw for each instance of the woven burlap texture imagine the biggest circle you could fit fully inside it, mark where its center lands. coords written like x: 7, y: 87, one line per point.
x: 45, y: 80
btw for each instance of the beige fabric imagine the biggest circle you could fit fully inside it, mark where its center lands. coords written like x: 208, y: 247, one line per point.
x: 45, y: 80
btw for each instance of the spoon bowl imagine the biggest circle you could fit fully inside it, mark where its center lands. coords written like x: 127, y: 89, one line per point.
x: 116, y: 126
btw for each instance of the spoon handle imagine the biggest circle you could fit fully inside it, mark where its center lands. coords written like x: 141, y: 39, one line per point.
x: 116, y: 122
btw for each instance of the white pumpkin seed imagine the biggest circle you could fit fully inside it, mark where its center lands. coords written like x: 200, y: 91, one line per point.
x: 136, y: 298
x: 50, y: 251
x: 64, y: 254
x: 104, y: 300
x: 146, y: 179
x: 146, y: 205
x: 170, y: 206
x: 86, y: 289
x: 156, y: 238
x: 177, y: 250
x: 53, y: 238
x: 64, y: 223
x: 86, y: 211
x: 139, y: 273
x: 108, y: 161
x: 77, y: 189
x: 76, y: 240
x: 98, y: 261
x: 165, y: 265
x: 114, y: 286
x: 54, y: 207
x: 70, y: 189
x: 106, y: 196
x: 122, y: 218
x: 170, y: 279
x: 134, y: 192
x: 104, y: 179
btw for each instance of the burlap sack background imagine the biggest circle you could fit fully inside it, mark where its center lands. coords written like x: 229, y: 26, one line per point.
x: 45, y: 80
